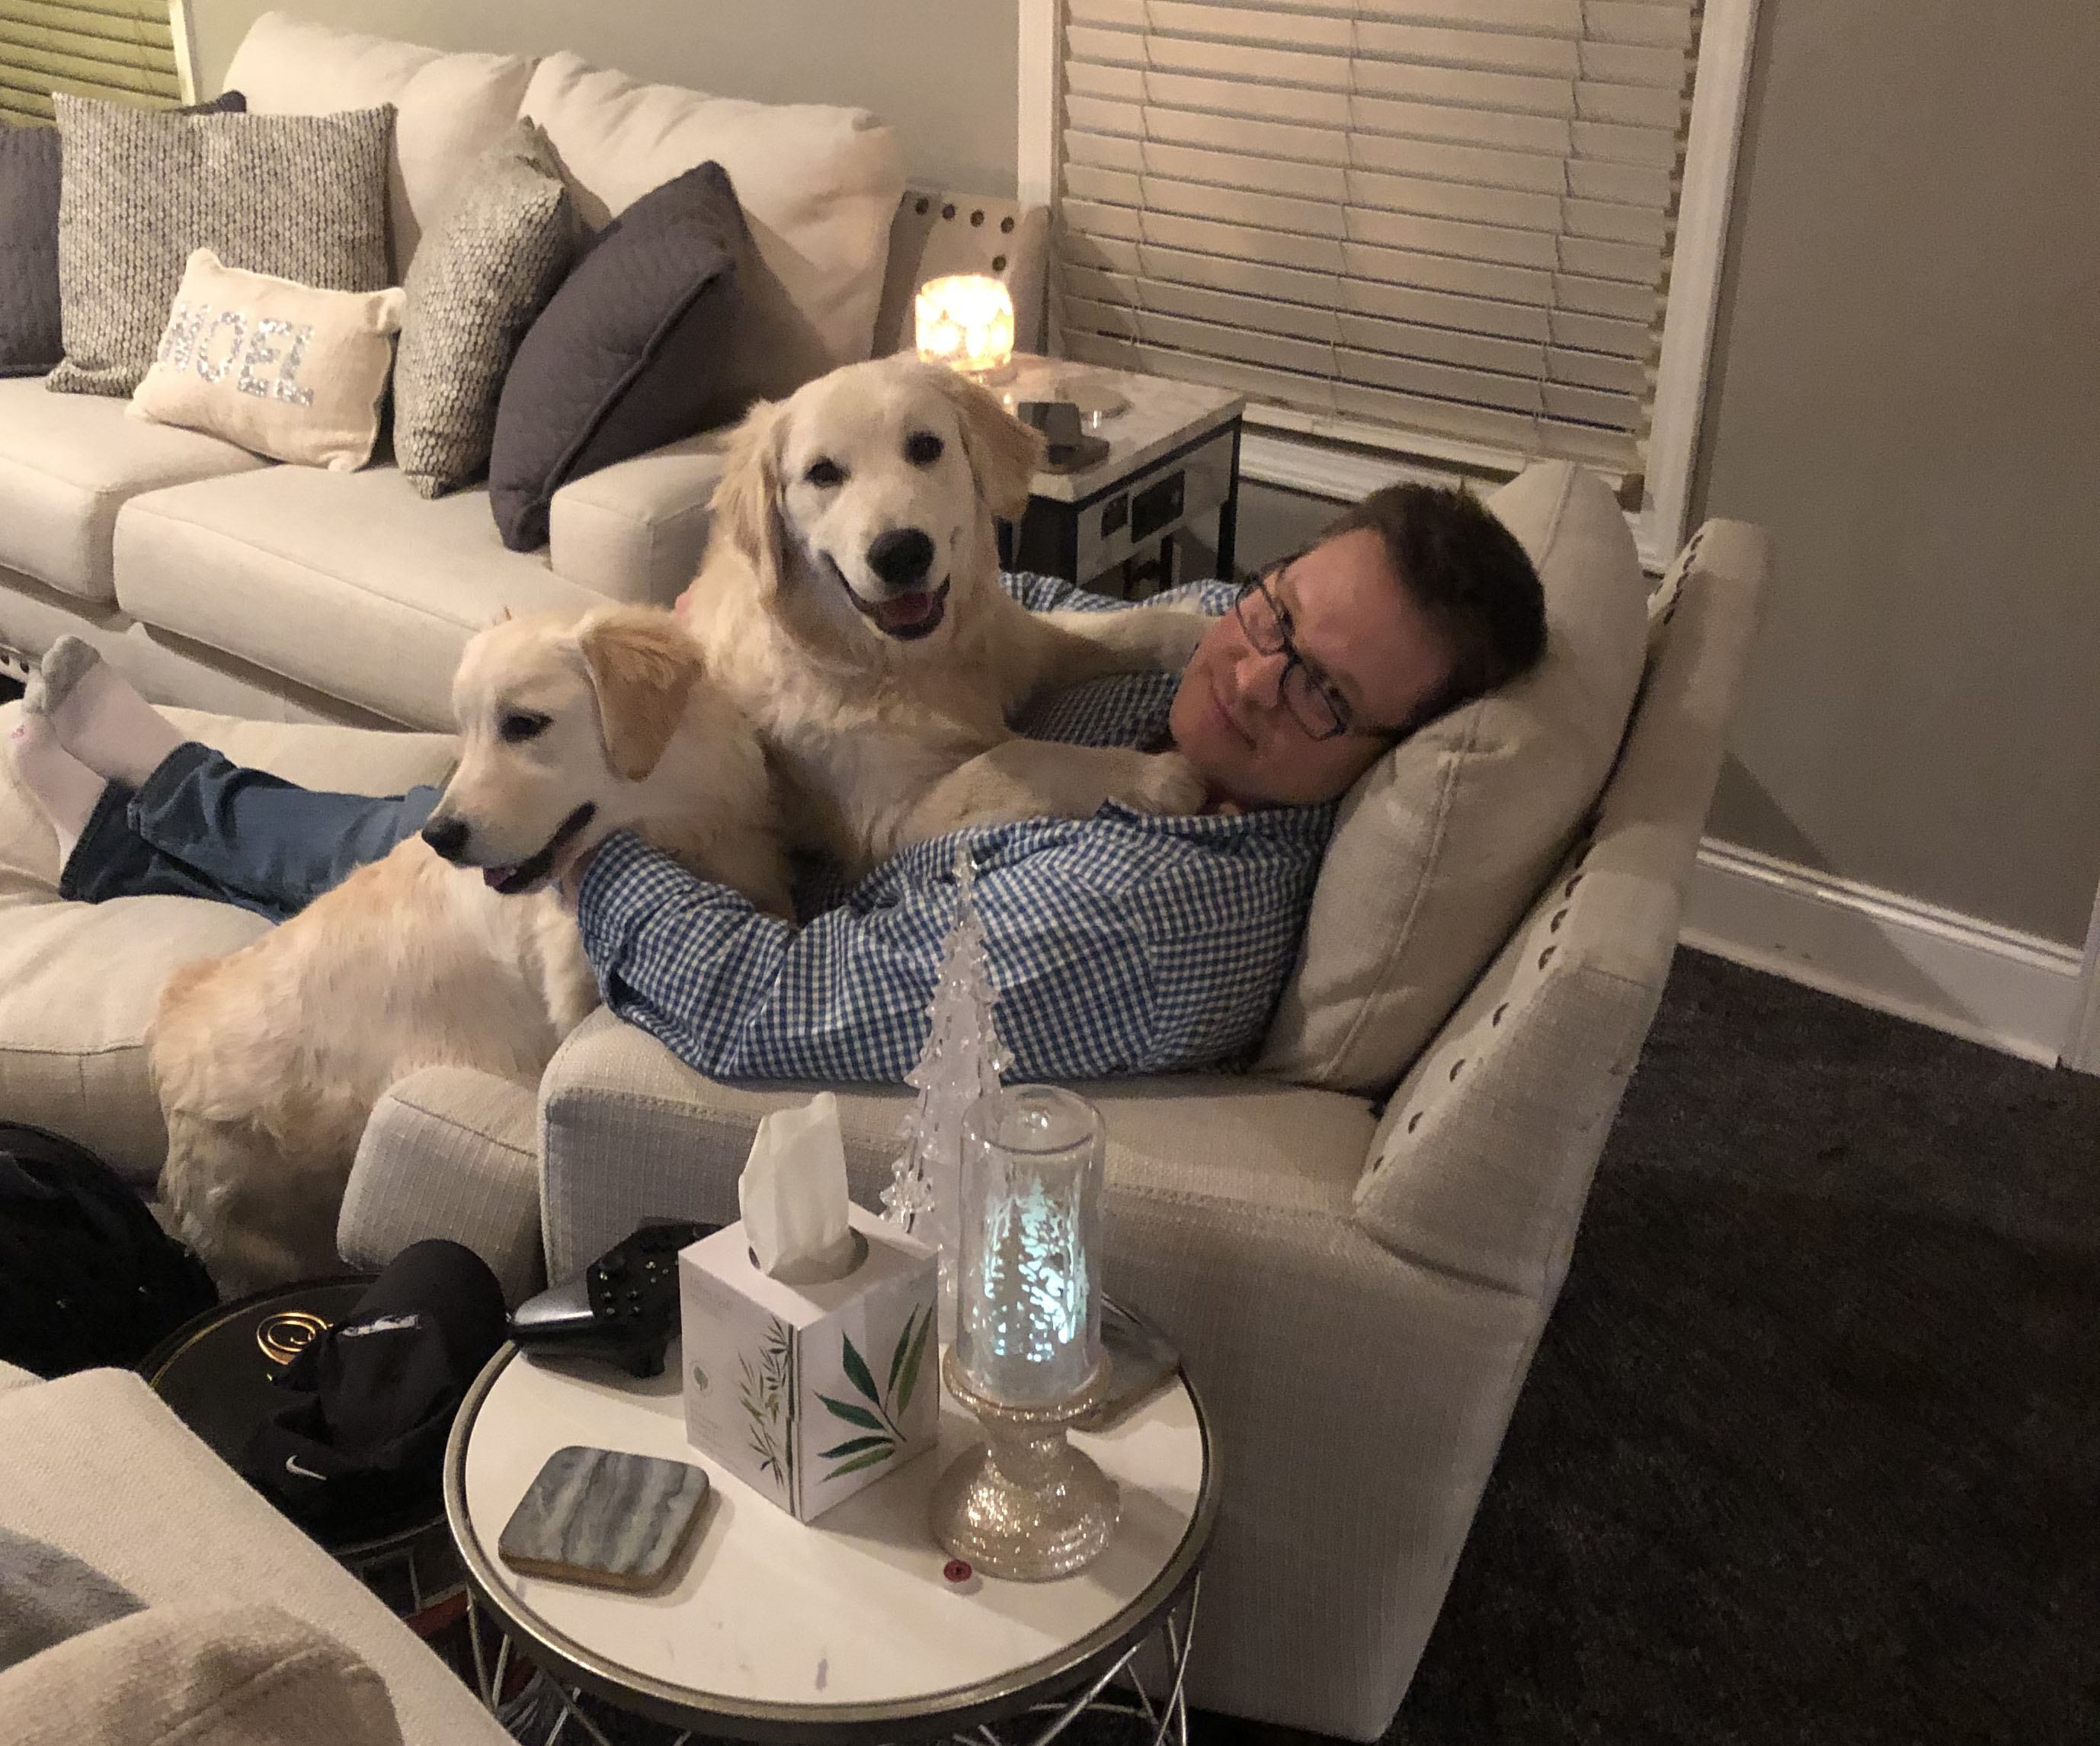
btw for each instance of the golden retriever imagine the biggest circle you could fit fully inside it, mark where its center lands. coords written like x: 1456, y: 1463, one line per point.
x: 849, y: 600
x: 454, y: 949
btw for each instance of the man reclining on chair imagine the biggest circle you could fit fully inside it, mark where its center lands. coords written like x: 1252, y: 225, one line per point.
x: 1122, y: 944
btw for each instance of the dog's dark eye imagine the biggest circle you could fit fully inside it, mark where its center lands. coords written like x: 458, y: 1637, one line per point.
x: 520, y: 724
x: 923, y: 448
x: 824, y: 473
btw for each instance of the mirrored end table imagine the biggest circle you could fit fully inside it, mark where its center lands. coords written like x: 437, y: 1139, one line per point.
x: 856, y: 1628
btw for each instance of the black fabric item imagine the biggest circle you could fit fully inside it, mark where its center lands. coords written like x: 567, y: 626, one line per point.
x: 86, y: 1276
x: 373, y: 1399
x: 30, y: 344
x: 668, y: 325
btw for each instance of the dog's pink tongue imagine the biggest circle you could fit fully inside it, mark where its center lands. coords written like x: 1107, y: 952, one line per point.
x: 904, y: 610
x: 492, y: 877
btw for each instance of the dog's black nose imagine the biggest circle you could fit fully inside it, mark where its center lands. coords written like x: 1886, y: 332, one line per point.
x: 901, y: 557
x: 447, y: 836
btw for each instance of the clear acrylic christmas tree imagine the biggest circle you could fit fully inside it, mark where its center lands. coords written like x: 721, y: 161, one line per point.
x: 961, y: 1063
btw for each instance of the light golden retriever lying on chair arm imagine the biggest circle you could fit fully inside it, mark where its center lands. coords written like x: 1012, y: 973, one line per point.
x: 850, y: 600
x: 453, y: 950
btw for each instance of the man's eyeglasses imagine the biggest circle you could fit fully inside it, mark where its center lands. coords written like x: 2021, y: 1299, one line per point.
x: 1308, y: 693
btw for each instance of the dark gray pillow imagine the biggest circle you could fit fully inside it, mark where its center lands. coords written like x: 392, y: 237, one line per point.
x: 30, y: 343
x: 303, y: 196
x: 473, y: 288
x: 670, y: 325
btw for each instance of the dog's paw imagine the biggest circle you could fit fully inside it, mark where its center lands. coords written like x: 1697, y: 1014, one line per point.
x: 1169, y: 633
x: 1162, y: 782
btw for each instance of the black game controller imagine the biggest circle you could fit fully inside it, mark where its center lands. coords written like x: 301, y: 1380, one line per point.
x: 624, y: 1308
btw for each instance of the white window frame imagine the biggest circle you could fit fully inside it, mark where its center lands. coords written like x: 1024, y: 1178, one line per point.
x: 1272, y: 456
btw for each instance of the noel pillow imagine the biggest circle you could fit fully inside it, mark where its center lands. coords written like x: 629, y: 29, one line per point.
x: 280, y: 368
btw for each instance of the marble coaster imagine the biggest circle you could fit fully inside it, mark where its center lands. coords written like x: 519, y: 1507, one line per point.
x: 604, y: 1517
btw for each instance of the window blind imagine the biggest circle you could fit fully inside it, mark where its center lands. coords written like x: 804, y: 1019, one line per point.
x: 1422, y: 221
x: 124, y: 49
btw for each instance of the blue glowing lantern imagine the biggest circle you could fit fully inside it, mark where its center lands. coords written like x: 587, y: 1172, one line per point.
x: 1028, y: 1332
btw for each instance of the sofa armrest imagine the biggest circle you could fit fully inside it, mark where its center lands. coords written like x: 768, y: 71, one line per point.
x: 449, y: 1151
x: 634, y: 531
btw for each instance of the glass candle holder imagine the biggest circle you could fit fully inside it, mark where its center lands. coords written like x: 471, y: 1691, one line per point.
x: 1028, y: 1325
x: 965, y: 320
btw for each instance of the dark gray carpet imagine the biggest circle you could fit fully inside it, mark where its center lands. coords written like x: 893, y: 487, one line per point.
x: 1811, y: 1451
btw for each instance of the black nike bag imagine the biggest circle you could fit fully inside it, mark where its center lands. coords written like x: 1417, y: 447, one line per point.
x: 361, y: 1439
x: 86, y: 1276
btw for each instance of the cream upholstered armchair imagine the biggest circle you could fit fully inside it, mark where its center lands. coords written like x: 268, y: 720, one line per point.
x: 1356, y: 1245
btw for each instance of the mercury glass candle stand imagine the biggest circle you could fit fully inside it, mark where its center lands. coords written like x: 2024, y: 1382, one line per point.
x: 1027, y: 1358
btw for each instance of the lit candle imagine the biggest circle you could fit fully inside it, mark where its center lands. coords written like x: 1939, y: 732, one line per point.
x: 1028, y: 1330
x: 966, y: 321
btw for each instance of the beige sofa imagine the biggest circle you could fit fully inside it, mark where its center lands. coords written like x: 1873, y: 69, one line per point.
x: 220, y: 581
x: 1356, y: 1246
x: 96, y: 1466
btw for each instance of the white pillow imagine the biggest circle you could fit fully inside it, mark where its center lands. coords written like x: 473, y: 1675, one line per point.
x: 448, y: 108
x: 820, y: 184
x: 277, y: 367
x: 1443, y: 844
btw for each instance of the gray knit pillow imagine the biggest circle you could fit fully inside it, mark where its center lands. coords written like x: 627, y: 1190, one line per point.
x: 302, y: 196
x: 475, y: 285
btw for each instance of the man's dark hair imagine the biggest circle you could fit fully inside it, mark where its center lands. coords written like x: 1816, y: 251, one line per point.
x: 1467, y: 573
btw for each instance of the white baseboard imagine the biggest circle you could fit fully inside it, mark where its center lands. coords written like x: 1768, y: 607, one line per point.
x: 2015, y: 991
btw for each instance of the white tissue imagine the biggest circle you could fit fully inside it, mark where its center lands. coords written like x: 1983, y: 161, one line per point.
x: 793, y: 1194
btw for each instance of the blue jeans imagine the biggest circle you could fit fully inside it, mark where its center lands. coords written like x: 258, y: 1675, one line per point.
x: 202, y: 826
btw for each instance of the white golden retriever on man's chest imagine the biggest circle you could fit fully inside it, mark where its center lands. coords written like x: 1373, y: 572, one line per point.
x: 850, y: 601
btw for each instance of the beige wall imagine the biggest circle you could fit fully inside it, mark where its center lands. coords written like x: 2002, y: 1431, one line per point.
x: 942, y: 71
x: 1907, y: 392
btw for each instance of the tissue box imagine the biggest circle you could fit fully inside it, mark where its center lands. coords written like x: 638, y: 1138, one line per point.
x: 807, y: 1393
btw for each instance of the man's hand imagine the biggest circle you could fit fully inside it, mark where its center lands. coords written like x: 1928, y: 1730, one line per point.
x: 572, y: 878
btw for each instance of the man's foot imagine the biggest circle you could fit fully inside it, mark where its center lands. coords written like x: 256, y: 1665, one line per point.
x: 64, y: 790
x: 98, y: 718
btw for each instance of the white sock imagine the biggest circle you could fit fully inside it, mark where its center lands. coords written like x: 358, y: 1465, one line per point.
x: 63, y: 788
x: 100, y: 719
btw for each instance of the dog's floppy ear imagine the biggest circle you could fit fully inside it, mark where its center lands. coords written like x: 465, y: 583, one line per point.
x: 745, y: 504
x: 1004, y: 453
x: 642, y: 665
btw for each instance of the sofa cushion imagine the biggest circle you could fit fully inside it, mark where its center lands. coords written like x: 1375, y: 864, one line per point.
x: 821, y: 183
x: 499, y: 253
x: 72, y: 1042
x: 449, y: 108
x: 302, y: 196
x: 69, y: 462
x: 643, y: 345
x: 1441, y: 847
x: 285, y: 370
x: 98, y: 1466
x: 636, y: 531
x: 347, y: 582
x: 197, y: 1676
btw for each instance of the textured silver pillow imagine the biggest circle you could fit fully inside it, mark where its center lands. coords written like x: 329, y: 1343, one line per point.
x: 474, y: 286
x: 300, y: 197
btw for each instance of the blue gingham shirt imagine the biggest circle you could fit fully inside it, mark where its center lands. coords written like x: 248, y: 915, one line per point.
x: 1121, y: 944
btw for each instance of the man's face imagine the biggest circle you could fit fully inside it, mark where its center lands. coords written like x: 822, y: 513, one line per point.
x: 1364, y: 640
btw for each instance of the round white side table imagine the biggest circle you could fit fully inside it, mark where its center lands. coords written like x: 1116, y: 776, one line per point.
x: 849, y: 1629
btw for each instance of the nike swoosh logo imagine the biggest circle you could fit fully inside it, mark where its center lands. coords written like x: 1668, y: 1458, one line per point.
x: 292, y: 1465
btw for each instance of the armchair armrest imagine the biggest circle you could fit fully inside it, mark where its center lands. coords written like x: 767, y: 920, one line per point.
x: 449, y: 1151
x: 1483, y: 1158
x: 634, y: 531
